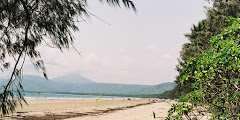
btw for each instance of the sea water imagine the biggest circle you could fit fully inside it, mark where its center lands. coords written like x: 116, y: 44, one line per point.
x: 46, y: 95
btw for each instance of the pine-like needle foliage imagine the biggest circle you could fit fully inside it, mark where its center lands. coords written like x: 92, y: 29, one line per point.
x: 28, y: 24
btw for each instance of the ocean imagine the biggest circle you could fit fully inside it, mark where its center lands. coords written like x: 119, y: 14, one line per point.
x: 46, y: 95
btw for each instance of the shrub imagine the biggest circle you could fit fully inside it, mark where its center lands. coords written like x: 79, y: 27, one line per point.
x: 216, y: 75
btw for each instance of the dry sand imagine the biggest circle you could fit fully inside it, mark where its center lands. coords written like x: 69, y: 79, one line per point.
x: 91, y: 110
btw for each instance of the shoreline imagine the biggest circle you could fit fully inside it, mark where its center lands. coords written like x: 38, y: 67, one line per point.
x: 89, y: 109
x: 84, y: 99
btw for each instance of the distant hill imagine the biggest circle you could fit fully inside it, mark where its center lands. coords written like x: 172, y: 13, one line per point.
x: 73, y: 79
x: 157, y: 89
x: 80, y: 84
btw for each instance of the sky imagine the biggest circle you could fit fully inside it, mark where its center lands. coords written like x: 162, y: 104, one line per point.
x: 124, y: 47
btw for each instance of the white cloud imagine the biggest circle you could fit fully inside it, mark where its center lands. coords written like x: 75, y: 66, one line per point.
x: 152, y: 46
x: 139, y: 49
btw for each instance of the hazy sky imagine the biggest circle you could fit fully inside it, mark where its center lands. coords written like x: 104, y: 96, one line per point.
x: 132, y: 48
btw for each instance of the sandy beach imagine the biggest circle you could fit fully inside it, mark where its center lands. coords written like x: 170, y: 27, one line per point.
x: 91, y: 110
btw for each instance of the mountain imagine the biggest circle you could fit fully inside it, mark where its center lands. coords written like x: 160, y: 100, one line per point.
x: 73, y: 79
x: 80, y: 84
x: 157, y: 89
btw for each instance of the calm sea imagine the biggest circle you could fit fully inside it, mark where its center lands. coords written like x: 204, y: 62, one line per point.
x: 45, y: 95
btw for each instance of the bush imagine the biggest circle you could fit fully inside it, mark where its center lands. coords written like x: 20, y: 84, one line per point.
x: 216, y: 75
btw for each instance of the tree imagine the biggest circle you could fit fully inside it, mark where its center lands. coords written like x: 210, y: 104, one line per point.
x: 201, y: 33
x: 216, y: 75
x: 27, y: 24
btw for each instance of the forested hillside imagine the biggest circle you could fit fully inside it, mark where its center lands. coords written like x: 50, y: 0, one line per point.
x: 80, y: 84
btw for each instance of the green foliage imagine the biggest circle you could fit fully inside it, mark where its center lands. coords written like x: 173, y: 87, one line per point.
x: 216, y: 75
x: 28, y: 24
x: 171, y: 94
x: 182, y: 99
x: 199, y: 37
x: 177, y: 111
